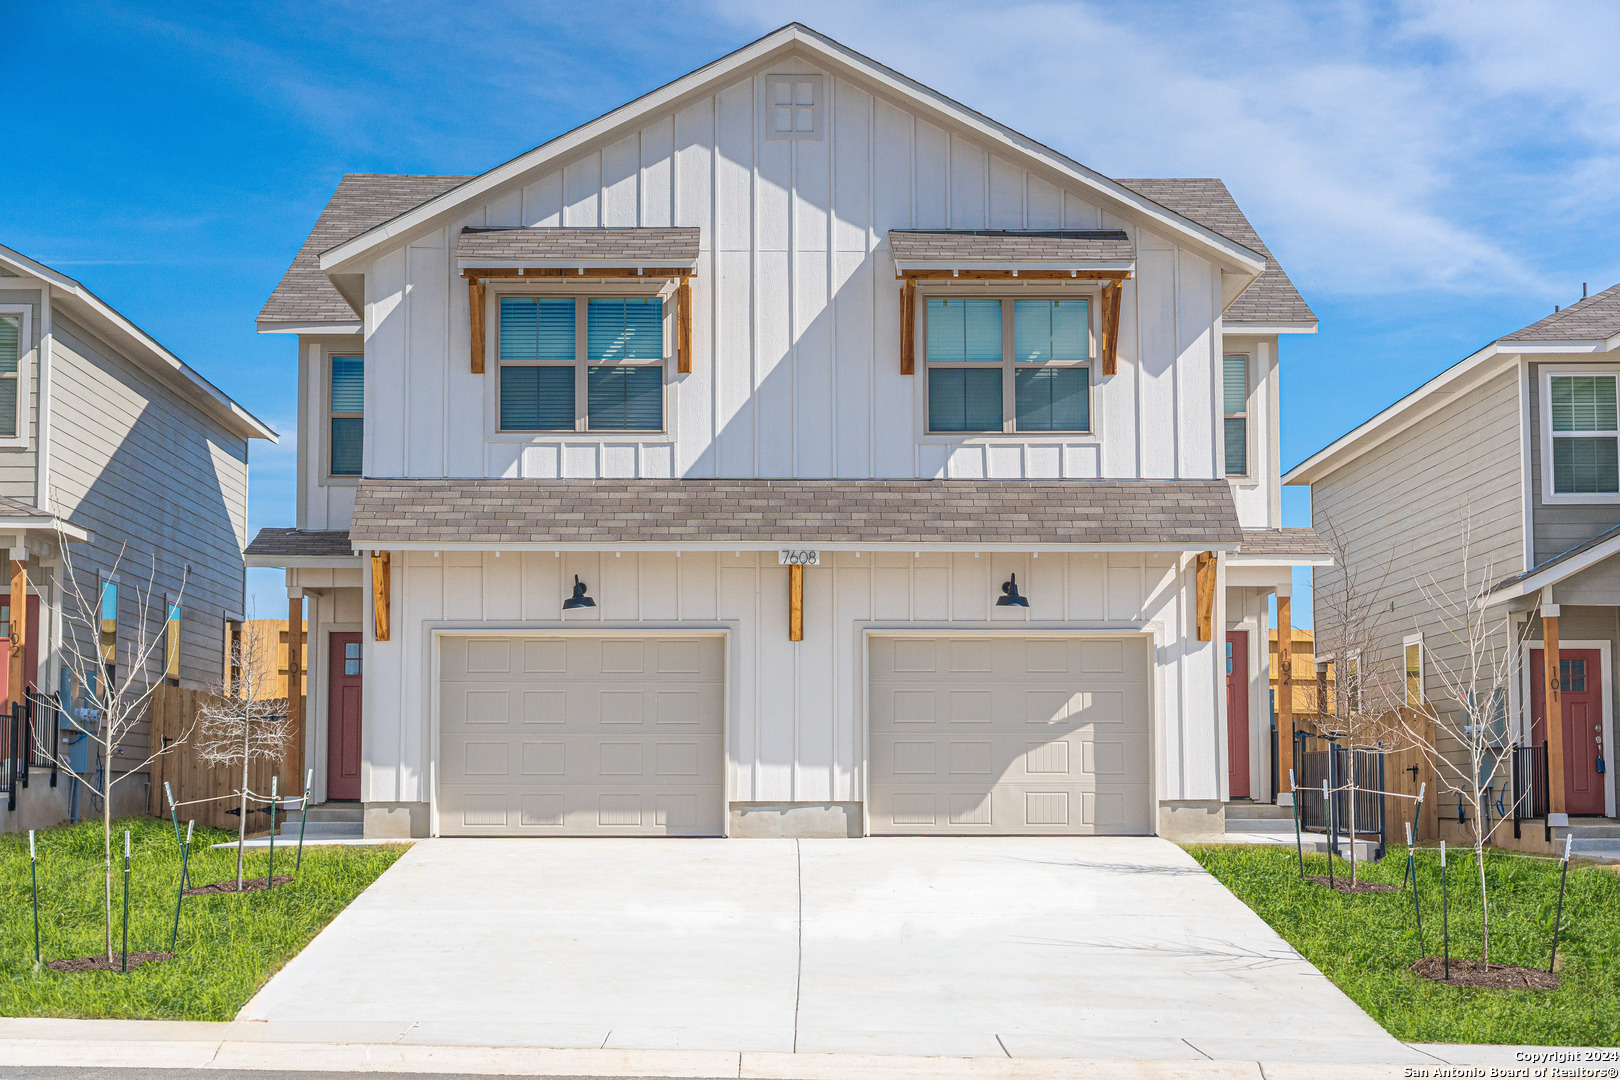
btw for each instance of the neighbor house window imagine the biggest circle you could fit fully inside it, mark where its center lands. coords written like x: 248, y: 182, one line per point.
x: 109, y: 628
x: 1414, y: 670
x: 348, y: 406
x: 1585, y: 437
x: 1235, y: 409
x: 10, y: 357
x: 581, y: 363
x: 1008, y: 365
x: 171, y: 643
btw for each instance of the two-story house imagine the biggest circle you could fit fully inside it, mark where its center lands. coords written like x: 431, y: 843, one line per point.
x: 1511, y: 453
x: 791, y: 451
x: 111, y: 445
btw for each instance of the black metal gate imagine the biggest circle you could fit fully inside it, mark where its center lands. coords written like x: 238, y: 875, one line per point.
x: 1318, y: 760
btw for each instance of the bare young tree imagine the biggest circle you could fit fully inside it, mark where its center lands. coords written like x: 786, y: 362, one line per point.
x: 1475, y: 674
x: 111, y: 679
x: 1359, y: 707
x: 246, y: 719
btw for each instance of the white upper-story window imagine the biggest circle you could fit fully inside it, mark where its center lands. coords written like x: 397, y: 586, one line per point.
x: 1235, y: 413
x: 1580, y: 435
x: 793, y: 107
x: 1008, y: 366
x: 585, y: 364
x: 347, y: 406
x: 11, y: 351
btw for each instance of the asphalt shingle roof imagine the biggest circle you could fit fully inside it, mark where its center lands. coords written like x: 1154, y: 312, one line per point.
x: 1289, y: 541
x: 623, y: 247
x: 1010, y: 245
x: 1189, y: 513
x: 362, y: 201
x: 1592, y: 319
x: 1271, y: 298
x: 17, y: 510
x: 301, y: 542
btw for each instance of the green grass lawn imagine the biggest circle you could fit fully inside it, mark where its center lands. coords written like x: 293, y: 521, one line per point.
x: 1365, y: 942
x: 228, y: 947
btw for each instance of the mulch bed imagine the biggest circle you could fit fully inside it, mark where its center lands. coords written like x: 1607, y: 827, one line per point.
x: 1472, y: 973
x: 1342, y: 884
x: 257, y: 884
x: 101, y: 963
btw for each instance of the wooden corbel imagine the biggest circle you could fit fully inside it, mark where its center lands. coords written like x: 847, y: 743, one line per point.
x: 1206, y: 595
x: 908, y: 326
x: 683, y: 325
x: 1110, y: 327
x: 475, y: 310
x: 381, y: 586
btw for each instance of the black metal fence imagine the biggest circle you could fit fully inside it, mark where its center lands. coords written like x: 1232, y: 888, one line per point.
x: 1530, y: 787
x: 29, y: 739
x: 1318, y: 760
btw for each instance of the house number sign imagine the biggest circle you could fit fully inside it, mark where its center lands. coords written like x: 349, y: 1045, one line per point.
x: 798, y: 557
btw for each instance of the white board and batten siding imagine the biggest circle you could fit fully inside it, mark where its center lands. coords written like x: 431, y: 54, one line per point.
x: 796, y: 311
x: 795, y: 712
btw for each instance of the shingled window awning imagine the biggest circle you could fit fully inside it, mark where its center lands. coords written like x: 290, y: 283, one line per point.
x: 694, y: 514
x: 1023, y: 255
x: 540, y: 252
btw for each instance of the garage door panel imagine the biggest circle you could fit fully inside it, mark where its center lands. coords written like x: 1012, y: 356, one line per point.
x: 589, y: 736
x: 1009, y: 735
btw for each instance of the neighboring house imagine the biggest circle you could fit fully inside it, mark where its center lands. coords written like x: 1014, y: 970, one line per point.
x: 111, y: 442
x: 1313, y: 683
x: 791, y: 451
x: 1519, y: 441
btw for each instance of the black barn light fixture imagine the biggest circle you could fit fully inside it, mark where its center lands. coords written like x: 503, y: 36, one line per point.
x: 579, y: 599
x: 1009, y: 594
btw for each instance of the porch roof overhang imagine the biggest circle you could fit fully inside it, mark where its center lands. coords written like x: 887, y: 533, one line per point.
x: 764, y: 515
x: 290, y: 549
x: 1039, y: 254
x: 24, y: 521
x: 1284, y: 547
x: 1581, y: 557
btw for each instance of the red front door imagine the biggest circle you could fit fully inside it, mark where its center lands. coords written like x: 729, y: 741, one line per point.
x: 1237, y: 713
x: 1582, y: 700
x: 343, y: 718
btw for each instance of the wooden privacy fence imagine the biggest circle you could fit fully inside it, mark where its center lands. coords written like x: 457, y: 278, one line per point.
x: 173, y: 714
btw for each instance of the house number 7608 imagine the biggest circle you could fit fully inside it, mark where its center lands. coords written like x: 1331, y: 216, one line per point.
x: 799, y: 557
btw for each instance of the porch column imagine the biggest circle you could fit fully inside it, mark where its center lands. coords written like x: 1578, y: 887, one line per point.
x: 1285, y: 698
x: 295, y: 687
x: 1551, y: 672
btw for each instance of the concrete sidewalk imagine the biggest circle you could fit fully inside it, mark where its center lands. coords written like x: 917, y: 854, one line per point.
x: 221, y: 1049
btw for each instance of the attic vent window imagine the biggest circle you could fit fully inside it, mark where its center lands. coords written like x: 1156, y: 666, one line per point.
x: 793, y: 107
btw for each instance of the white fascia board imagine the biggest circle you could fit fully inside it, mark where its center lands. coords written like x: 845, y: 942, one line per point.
x: 570, y: 264
x: 221, y: 404
x: 28, y: 526
x: 310, y: 329
x: 354, y: 253
x: 1237, y: 329
x: 1239, y: 559
x: 1552, y: 575
x: 1420, y: 403
x: 777, y: 545
x: 304, y: 562
x: 1075, y: 268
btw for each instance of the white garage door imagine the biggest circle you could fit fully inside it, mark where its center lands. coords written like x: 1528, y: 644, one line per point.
x: 1001, y: 735
x: 581, y: 736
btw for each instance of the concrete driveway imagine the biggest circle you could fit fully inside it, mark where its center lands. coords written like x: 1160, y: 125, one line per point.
x: 1076, y: 947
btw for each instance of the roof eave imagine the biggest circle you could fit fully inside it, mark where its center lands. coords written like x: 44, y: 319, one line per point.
x: 296, y: 326
x: 475, y: 263
x: 354, y: 251
x: 1269, y: 328
x: 1074, y: 266
x: 390, y: 544
x: 304, y: 562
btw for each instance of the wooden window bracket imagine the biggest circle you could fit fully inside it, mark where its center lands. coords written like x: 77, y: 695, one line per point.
x: 683, y: 325
x: 475, y: 306
x: 1110, y: 327
x: 908, y: 326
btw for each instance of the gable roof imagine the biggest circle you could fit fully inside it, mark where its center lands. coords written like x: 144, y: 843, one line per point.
x: 795, y: 36
x: 1271, y: 300
x: 1590, y: 326
x: 1594, y: 318
x: 140, y: 346
x: 305, y: 297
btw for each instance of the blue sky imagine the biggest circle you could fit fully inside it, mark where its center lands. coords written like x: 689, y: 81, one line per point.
x: 1432, y: 175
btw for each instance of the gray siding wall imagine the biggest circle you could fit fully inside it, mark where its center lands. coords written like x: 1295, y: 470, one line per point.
x: 1557, y: 528
x: 138, y: 466
x: 17, y: 463
x: 1399, y: 506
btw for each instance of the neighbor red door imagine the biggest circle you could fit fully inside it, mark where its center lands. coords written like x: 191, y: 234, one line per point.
x: 1237, y: 713
x: 343, y: 718
x: 30, y: 650
x: 1582, y: 682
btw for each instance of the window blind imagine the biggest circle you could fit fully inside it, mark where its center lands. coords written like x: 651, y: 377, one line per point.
x: 348, y: 384
x: 1586, y: 466
x: 348, y: 440
x: 1235, y: 384
x: 1583, y: 403
x: 1054, y: 399
x: 10, y: 345
x: 537, y: 328
x: 537, y: 399
x: 625, y: 329
x: 966, y: 331
x: 964, y: 399
x: 1047, y: 330
x: 1237, y: 446
x: 626, y: 398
